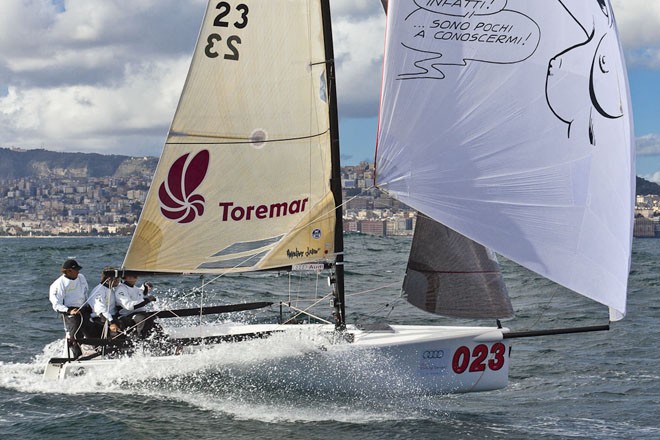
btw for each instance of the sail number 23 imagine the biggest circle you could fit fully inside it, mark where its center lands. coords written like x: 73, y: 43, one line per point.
x: 476, y: 360
x: 226, y: 18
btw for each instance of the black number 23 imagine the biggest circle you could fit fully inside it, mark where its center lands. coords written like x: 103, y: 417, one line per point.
x: 233, y: 40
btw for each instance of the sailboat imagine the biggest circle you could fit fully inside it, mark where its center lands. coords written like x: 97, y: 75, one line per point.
x: 481, y: 130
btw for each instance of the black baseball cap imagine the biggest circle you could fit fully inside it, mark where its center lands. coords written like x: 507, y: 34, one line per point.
x: 71, y: 264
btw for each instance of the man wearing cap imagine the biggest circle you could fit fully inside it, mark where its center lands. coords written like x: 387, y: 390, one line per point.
x: 68, y: 295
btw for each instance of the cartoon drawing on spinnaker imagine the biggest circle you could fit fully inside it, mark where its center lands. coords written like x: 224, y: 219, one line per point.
x: 584, y: 101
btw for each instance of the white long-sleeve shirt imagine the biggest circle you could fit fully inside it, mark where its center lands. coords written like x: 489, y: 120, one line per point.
x: 127, y: 298
x: 103, y: 302
x: 65, y: 293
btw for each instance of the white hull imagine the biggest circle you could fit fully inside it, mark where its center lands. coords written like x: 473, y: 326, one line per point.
x: 397, y: 358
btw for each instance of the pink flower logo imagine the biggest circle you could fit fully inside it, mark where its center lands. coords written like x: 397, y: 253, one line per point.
x: 177, y: 199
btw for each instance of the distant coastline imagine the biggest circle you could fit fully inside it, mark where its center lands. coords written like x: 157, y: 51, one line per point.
x: 28, y: 237
x: 51, y: 194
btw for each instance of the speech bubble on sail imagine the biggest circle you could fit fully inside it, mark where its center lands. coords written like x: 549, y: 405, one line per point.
x: 442, y: 34
x: 462, y: 8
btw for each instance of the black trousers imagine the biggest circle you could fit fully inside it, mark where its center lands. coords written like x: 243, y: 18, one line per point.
x: 77, y: 326
x: 141, y: 323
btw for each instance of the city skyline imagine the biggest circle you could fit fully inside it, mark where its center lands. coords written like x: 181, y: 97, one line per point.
x: 65, y: 205
x: 76, y: 204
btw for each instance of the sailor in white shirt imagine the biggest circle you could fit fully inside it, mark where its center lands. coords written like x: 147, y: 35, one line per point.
x: 103, y: 302
x: 68, y: 295
x: 133, y: 301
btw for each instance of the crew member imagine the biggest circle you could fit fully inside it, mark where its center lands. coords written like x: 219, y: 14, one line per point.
x: 133, y: 301
x: 68, y: 295
x: 103, y: 303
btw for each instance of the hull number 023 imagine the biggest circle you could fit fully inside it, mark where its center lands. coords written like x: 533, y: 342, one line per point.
x: 477, y: 359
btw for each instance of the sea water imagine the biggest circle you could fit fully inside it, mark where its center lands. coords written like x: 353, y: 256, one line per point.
x: 592, y: 385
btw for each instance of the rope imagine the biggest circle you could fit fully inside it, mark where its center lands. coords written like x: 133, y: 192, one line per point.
x: 385, y: 286
x: 543, y: 311
x: 201, y: 302
x: 305, y: 311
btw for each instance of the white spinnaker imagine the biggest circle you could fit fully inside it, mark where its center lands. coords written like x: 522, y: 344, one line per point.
x: 243, y: 180
x: 514, y: 127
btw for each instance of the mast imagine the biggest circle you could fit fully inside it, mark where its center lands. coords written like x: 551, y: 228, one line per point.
x: 335, y: 179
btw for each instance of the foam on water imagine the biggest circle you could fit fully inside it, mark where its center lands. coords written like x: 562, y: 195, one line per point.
x: 299, y: 410
x: 291, y: 376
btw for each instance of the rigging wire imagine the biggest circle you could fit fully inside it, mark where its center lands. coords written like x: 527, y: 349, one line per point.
x: 384, y: 286
x: 306, y: 311
x: 543, y: 308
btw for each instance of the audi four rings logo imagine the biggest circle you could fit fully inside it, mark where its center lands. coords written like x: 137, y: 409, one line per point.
x: 433, y: 354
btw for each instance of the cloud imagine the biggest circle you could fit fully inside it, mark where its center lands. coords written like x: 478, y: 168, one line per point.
x: 358, y: 56
x: 639, y: 26
x: 355, y: 9
x: 647, y: 58
x: 91, y: 41
x: 655, y: 177
x: 93, y: 75
x: 83, y: 117
x: 648, y: 145
x: 105, y: 75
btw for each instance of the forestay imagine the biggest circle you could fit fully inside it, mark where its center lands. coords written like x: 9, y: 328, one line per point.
x: 243, y: 182
x: 510, y: 122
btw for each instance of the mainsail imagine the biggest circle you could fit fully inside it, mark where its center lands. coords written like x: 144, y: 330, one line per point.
x: 511, y: 124
x: 244, y: 179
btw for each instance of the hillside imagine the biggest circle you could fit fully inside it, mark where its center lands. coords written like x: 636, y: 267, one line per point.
x: 644, y: 187
x: 17, y: 163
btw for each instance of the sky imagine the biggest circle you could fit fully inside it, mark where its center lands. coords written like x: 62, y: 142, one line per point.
x: 105, y: 75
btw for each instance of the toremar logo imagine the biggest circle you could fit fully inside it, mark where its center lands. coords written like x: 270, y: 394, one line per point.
x: 176, y: 194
